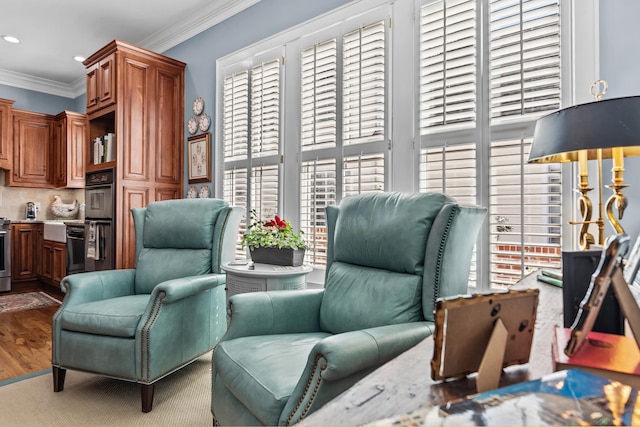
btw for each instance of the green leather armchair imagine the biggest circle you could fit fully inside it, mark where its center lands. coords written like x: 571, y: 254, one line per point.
x: 142, y: 324
x: 390, y: 256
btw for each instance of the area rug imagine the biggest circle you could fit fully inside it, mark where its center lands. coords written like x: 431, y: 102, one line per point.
x: 25, y: 301
x: 181, y: 399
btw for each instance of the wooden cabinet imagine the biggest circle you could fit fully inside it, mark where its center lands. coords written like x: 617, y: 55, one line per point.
x: 33, y: 258
x: 46, y: 260
x: 69, y: 142
x: 145, y: 112
x: 101, y: 83
x: 6, y: 134
x: 53, y: 262
x: 23, y: 259
x: 32, y: 150
x: 39, y: 240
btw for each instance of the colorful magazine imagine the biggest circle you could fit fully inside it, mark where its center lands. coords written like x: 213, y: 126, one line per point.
x: 570, y: 397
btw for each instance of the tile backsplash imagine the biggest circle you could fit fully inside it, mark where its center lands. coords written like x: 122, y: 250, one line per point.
x: 13, y: 200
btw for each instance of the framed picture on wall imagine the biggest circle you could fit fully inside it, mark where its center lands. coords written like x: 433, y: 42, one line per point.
x: 199, y: 158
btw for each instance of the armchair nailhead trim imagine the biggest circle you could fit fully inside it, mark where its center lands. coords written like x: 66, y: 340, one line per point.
x: 443, y: 244
x: 306, y: 390
x: 144, y: 335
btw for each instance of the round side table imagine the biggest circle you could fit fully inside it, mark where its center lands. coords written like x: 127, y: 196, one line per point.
x: 264, y: 277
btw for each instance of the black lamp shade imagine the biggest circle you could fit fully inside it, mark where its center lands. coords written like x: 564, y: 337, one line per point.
x: 600, y: 125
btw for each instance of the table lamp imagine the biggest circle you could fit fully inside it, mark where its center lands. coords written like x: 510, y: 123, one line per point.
x: 603, y: 129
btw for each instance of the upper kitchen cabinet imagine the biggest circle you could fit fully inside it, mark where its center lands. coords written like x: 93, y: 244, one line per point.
x: 6, y: 135
x: 101, y: 83
x: 135, y: 127
x: 69, y: 141
x: 32, y: 150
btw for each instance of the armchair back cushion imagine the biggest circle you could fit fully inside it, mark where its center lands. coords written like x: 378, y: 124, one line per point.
x: 182, y: 249
x: 377, y: 260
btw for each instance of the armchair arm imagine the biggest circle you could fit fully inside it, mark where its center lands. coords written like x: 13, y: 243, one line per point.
x: 274, y: 312
x: 177, y: 289
x: 338, y: 361
x: 354, y: 351
x: 97, y: 285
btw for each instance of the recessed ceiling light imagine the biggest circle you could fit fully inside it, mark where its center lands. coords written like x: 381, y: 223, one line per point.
x: 11, y: 39
x: 79, y: 58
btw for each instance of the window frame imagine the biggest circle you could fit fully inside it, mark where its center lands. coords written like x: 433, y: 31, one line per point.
x: 402, y: 143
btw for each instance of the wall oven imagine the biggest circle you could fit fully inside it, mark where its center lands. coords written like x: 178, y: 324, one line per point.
x: 99, y: 228
x: 5, y: 255
x: 75, y: 248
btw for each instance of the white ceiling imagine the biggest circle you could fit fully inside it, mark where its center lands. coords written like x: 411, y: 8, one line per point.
x: 53, y: 32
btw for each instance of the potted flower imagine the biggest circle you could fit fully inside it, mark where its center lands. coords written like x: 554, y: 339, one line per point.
x: 274, y: 241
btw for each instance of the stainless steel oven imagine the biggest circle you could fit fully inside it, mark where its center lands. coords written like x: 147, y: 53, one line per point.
x: 99, y: 228
x: 75, y: 248
x: 99, y: 195
x: 5, y: 255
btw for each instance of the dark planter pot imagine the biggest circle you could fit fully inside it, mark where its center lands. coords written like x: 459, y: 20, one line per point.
x: 277, y: 256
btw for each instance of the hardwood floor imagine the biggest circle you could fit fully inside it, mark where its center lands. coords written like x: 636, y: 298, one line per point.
x: 25, y: 341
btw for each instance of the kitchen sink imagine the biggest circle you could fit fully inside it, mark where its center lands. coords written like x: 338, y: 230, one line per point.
x: 55, y: 231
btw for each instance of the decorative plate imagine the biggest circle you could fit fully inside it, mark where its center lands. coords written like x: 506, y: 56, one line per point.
x: 192, y: 193
x: 192, y: 125
x: 205, y: 121
x: 198, y: 106
x: 204, y: 191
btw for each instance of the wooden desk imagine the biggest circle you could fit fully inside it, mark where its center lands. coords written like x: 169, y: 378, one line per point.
x: 404, y: 384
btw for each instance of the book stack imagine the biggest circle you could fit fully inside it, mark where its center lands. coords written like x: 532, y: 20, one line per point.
x: 610, y: 355
x: 104, y: 148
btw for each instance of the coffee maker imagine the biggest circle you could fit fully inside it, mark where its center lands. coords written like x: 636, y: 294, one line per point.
x: 31, y: 211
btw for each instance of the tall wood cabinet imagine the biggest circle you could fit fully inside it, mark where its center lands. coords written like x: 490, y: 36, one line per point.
x: 138, y: 96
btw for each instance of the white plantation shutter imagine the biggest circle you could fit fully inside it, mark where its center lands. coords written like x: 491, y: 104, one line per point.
x: 265, y: 108
x: 236, y: 192
x: 524, y: 39
x: 448, y: 65
x: 319, y: 68
x: 343, y: 98
x: 362, y: 174
x: 450, y: 170
x: 317, y: 191
x: 236, y: 116
x: 524, y: 213
x: 523, y: 77
x: 251, y: 139
x: 264, y: 191
x: 363, y: 84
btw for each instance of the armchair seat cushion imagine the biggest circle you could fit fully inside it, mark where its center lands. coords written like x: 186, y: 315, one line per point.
x: 262, y: 371
x: 118, y: 317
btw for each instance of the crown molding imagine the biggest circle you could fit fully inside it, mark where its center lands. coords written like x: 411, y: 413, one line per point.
x: 160, y: 42
x: 215, y: 13
x: 37, y: 84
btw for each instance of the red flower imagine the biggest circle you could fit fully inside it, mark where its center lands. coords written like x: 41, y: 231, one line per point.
x: 280, y: 223
x: 277, y: 222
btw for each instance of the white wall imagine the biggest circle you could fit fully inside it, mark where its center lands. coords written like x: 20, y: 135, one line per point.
x: 620, y: 66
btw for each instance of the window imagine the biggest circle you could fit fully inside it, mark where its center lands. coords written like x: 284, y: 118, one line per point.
x: 523, y: 81
x: 304, y: 128
x: 251, y: 138
x: 524, y: 213
x: 354, y: 153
